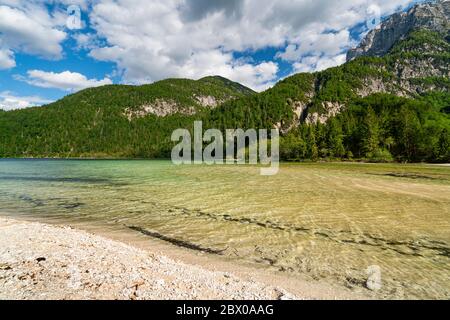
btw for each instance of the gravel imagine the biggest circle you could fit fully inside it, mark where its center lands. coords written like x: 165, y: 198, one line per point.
x: 39, y: 261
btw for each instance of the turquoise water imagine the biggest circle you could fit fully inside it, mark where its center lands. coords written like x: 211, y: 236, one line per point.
x: 330, y: 222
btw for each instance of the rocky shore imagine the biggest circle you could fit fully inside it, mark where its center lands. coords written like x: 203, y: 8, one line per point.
x: 40, y: 261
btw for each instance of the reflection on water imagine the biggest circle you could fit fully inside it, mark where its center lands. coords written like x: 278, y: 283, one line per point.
x: 325, y: 221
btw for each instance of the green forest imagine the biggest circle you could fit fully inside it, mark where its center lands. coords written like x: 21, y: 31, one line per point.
x: 380, y: 127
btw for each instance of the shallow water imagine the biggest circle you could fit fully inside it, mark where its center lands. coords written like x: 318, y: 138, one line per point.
x: 324, y: 221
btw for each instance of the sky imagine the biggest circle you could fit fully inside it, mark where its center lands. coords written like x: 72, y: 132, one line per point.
x: 52, y: 48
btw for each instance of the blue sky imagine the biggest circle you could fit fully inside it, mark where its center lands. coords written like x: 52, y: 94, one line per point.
x: 48, y: 51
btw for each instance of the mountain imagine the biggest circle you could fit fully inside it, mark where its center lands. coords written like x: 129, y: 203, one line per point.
x: 408, y: 55
x: 428, y: 16
x: 398, y: 81
x: 390, y: 101
x: 113, y: 120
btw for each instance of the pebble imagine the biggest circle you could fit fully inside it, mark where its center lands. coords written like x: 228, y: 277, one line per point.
x: 79, y: 265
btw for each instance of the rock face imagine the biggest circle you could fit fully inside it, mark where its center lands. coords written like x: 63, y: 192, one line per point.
x: 412, y: 49
x: 208, y: 101
x: 433, y: 16
x: 332, y: 109
x: 160, y: 108
x: 164, y: 108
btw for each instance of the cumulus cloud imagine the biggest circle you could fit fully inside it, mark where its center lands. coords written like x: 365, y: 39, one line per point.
x: 192, y: 38
x: 86, y: 41
x: 28, y: 27
x: 68, y: 81
x: 194, y: 10
x: 9, y: 101
x: 152, y: 40
x: 318, y: 63
x: 6, y: 59
x: 309, y: 43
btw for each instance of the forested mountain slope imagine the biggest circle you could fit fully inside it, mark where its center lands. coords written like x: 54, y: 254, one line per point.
x: 380, y: 105
x: 114, y: 120
x: 390, y: 101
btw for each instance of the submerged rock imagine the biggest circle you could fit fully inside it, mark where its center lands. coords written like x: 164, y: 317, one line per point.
x: 374, y: 280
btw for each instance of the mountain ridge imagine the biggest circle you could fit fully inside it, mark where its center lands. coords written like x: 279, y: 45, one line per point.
x: 432, y: 16
x: 415, y: 62
x: 402, y: 95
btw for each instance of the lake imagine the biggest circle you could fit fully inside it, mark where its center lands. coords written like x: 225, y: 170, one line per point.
x: 334, y: 222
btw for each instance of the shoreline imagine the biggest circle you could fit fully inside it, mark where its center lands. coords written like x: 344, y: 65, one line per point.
x: 47, y: 261
x: 303, y: 161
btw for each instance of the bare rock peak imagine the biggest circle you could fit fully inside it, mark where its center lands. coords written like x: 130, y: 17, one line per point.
x: 433, y: 16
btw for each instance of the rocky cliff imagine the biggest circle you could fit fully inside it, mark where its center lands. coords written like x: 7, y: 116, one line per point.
x: 431, y: 16
x: 407, y: 55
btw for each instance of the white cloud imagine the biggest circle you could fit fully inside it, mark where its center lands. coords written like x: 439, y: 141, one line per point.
x: 191, y: 38
x: 315, y: 63
x: 153, y: 40
x: 69, y: 81
x: 9, y: 101
x: 28, y: 27
x: 6, y: 59
x: 86, y: 41
x: 331, y: 44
